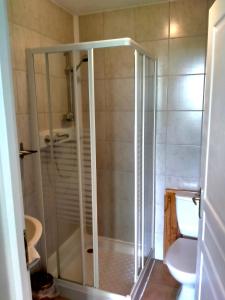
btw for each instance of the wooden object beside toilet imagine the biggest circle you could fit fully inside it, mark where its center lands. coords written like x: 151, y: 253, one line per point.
x: 171, y: 229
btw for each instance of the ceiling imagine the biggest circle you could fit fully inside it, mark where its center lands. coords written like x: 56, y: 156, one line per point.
x: 82, y: 7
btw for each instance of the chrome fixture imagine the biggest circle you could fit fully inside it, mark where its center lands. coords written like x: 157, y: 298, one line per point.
x: 24, y: 152
x: 57, y: 137
x: 69, y: 116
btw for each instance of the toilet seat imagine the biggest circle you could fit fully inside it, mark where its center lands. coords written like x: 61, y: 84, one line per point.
x: 181, y: 260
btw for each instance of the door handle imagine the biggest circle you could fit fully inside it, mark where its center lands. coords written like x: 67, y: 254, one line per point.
x: 195, y: 199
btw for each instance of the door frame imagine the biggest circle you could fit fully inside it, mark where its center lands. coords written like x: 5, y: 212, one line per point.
x: 14, y: 276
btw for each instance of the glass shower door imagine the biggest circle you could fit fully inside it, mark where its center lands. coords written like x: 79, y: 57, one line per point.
x: 148, y: 157
x: 144, y: 159
x: 138, y: 140
x: 65, y: 157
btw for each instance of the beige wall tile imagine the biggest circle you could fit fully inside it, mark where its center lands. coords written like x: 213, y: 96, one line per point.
x: 124, y: 219
x: 51, y: 26
x: 11, y: 36
x: 187, y: 55
x: 100, y: 125
x: 47, y: 42
x: 152, y: 22
x: 15, y: 91
x: 65, y: 26
x: 115, y: 205
x: 26, y: 13
x: 120, y: 126
x: 57, y: 120
x: 84, y: 95
x: 19, y: 45
x: 120, y: 94
x: 23, y: 38
x: 43, y: 17
x: 102, y: 155
x: 188, y: 18
x: 57, y: 64
x: 119, y: 62
x: 105, y: 203
x: 160, y: 50
x: 27, y: 177
x: 85, y: 120
x: 91, y: 27
x: 23, y: 129
x: 121, y: 156
x: 59, y: 96
x: 119, y: 24
x: 43, y: 121
x: 22, y: 92
x: 99, y: 95
x: 99, y: 63
x: 41, y: 93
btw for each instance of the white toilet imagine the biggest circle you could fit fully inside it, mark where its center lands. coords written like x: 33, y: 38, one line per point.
x: 181, y: 255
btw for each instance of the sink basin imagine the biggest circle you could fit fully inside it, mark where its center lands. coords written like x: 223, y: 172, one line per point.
x: 33, y: 230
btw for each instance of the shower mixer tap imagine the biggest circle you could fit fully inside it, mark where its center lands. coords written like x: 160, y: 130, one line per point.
x: 57, y: 137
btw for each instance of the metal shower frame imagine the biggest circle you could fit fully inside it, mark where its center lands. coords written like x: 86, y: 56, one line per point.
x: 90, y: 47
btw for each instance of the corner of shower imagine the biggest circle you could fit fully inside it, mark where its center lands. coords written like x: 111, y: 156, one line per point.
x: 94, y: 126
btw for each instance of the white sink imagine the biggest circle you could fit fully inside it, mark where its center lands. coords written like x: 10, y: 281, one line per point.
x: 33, y: 234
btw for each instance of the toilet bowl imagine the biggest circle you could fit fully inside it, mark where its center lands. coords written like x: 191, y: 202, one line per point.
x: 181, y: 262
x: 182, y: 254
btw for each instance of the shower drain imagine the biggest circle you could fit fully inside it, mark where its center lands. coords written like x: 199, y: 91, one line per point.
x: 90, y: 250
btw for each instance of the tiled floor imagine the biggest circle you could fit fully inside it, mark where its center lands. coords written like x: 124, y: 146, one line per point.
x: 161, y: 286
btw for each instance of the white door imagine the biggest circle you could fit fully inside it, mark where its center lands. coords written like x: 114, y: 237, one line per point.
x: 211, y: 252
x: 14, y: 277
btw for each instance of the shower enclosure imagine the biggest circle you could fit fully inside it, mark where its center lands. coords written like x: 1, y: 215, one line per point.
x: 93, y: 114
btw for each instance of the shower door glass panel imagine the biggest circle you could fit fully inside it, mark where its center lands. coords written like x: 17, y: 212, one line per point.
x: 148, y: 157
x: 114, y: 106
x: 144, y: 160
x: 83, y: 81
x: 58, y: 87
x: 139, y: 161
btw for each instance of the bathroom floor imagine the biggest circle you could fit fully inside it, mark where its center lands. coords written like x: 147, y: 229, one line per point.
x: 161, y: 286
x: 116, y: 266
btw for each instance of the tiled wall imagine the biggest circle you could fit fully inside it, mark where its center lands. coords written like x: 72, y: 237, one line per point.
x: 180, y: 104
x: 175, y: 32
x: 114, y: 116
x: 33, y: 23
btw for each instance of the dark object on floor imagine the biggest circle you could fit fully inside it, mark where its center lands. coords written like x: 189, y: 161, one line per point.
x: 90, y: 250
x: 43, y: 286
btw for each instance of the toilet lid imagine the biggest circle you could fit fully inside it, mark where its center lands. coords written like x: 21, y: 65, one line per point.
x: 182, y: 255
